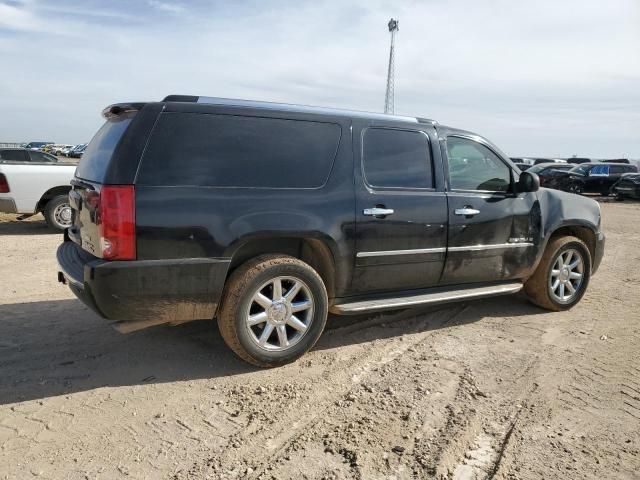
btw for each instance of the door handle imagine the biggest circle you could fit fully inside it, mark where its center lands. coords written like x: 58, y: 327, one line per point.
x: 377, y: 212
x: 466, y: 211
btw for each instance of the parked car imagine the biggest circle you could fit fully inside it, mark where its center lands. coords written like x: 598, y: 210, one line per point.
x: 593, y: 177
x: 549, y: 173
x: 628, y: 185
x: 523, y: 166
x: 78, y: 151
x: 37, y: 145
x: 65, y: 151
x: 539, y: 161
x: 32, y: 182
x: 268, y: 216
x: 57, y: 148
x: 616, y: 160
x: 578, y: 160
x: 524, y: 160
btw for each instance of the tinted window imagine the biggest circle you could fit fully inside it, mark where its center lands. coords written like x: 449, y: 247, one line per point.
x: 473, y: 166
x: 397, y: 158
x: 95, y: 159
x: 616, y: 169
x: 42, y: 157
x: 237, y: 151
x: 13, y: 155
x: 599, y: 171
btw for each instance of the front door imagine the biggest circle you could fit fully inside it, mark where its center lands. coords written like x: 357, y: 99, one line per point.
x: 492, y: 229
x: 401, y: 208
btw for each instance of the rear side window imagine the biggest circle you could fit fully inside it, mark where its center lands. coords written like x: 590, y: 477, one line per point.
x: 95, y: 159
x: 599, y: 171
x: 13, y: 155
x: 397, y: 158
x: 237, y: 151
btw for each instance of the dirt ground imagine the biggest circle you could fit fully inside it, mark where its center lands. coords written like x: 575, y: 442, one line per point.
x: 486, y: 389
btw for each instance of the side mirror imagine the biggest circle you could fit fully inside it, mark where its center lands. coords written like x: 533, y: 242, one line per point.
x: 528, y: 182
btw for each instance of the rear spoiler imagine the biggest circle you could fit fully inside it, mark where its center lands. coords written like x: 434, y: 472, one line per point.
x: 121, y: 108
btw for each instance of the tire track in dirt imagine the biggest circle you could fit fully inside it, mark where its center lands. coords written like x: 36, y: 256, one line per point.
x: 272, y: 441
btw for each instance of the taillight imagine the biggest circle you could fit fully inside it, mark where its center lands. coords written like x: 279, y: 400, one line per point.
x: 4, y: 185
x: 117, y: 222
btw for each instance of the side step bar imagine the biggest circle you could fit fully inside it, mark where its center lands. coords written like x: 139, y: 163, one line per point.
x: 426, y: 298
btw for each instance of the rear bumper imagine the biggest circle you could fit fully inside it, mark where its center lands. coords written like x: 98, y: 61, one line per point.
x: 7, y: 205
x: 598, y: 252
x: 148, y: 291
x: 630, y: 191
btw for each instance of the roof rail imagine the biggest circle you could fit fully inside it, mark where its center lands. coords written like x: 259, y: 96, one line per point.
x: 292, y: 108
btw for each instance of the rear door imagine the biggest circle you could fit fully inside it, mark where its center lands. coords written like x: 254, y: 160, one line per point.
x: 401, y: 207
x: 492, y: 229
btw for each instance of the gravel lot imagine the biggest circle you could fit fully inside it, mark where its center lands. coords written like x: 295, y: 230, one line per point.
x: 485, y: 389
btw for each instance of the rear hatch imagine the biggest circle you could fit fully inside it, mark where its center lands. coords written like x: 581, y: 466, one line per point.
x: 101, y: 209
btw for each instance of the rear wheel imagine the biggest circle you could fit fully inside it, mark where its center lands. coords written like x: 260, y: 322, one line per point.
x: 57, y: 213
x: 273, y: 311
x: 562, y: 276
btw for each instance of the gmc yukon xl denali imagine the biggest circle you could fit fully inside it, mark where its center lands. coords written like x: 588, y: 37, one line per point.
x: 268, y: 216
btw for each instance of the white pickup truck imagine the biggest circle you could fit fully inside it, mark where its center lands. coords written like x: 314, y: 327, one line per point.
x: 34, y: 182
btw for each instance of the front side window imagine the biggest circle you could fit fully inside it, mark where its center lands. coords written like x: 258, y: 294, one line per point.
x: 472, y: 166
x: 397, y: 158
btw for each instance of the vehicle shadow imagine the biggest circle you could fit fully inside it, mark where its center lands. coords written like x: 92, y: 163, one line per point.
x: 59, y: 347
x: 25, y: 227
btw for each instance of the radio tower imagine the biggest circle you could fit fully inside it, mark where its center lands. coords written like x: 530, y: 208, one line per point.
x: 389, y: 96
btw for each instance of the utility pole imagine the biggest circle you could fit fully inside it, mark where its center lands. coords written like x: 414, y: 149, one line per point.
x: 389, y: 96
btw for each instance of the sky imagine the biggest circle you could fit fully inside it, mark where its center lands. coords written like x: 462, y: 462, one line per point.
x: 547, y: 78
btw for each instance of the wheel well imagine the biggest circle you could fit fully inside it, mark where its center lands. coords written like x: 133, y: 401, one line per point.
x: 50, y: 194
x: 311, y: 251
x: 583, y: 233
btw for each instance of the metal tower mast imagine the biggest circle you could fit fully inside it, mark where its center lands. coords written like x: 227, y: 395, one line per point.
x: 389, y: 96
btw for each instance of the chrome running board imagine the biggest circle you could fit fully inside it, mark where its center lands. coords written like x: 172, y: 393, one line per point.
x: 426, y: 298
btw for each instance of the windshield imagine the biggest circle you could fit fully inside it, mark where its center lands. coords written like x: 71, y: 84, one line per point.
x: 536, y: 168
x: 580, y: 170
x: 95, y: 159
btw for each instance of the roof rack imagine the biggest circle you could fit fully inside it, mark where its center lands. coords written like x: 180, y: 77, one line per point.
x: 292, y: 108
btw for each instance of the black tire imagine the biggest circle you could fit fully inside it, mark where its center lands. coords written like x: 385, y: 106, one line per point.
x: 52, y: 213
x: 576, y: 188
x: 538, y: 287
x: 238, y: 302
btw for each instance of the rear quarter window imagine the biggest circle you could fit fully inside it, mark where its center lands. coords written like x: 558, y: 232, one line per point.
x: 239, y: 151
x: 96, y: 157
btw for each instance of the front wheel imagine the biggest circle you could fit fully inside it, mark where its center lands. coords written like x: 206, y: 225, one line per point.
x: 57, y: 213
x: 273, y: 310
x: 576, y: 188
x: 562, y: 276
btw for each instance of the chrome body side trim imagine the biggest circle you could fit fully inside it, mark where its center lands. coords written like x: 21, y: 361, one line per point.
x: 417, y: 251
x: 497, y: 246
x: 466, y: 248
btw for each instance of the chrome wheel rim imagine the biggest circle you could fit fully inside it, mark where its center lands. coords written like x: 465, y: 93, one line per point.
x: 62, y: 215
x: 280, y: 313
x: 566, y: 276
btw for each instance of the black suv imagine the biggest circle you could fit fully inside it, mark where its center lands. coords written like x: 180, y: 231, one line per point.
x: 593, y: 177
x: 269, y: 216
